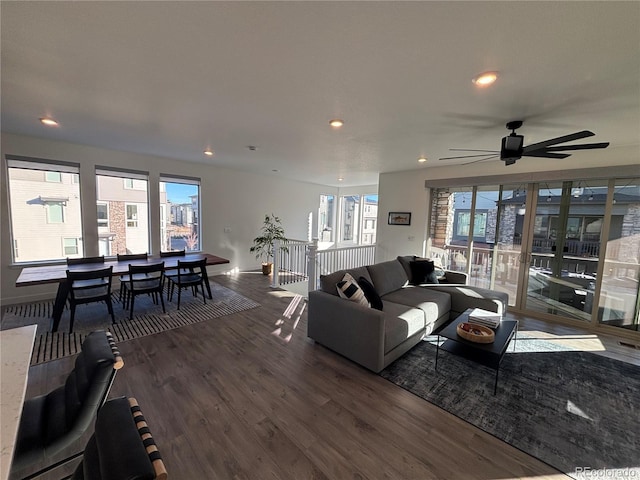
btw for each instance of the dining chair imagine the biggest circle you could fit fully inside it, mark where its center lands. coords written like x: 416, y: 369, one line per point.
x: 121, y: 447
x: 50, y: 423
x: 144, y: 279
x: 125, y: 257
x: 88, y: 287
x: 190, y: 274
x: 83, y: 260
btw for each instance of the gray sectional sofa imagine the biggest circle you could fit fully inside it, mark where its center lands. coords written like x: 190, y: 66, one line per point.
x: 375, y: 338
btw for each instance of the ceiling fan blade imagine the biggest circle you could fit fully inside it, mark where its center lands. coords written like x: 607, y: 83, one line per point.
x: 584, y: 146
x: 467, y: 156
x: 469, y: 150
x: 555, y: 141
x: 480, y: 160
x: 543, y: 153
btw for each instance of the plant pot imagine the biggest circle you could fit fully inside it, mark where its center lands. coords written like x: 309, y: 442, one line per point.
x: 266, y: 268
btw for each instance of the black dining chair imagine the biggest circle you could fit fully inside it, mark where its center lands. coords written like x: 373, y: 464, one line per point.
x: 144, y: 279
x: 50, y: 423
x: 83, y: 260
x: 88, y: 287
x: 121, y: 447
x: 126, y: 257
x: 190, y: 274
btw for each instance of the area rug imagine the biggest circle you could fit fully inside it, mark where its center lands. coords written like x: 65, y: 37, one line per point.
x: 148, y: 319
x: 577, y: 411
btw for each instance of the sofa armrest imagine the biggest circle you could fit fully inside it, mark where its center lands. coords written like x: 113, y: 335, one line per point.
x: 350, y: 329
x: 458, y: 278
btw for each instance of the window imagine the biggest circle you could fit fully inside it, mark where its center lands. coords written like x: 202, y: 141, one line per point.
x: 326, y: 220
x: 71, y: 246
x: 55, y: 212
x: 53, y: 177
x: 44, y: 204
x: 103, y: 214
x: 179, y: 213
x: 122, y: 199
x: 359, y: 215
x: 132, y: 216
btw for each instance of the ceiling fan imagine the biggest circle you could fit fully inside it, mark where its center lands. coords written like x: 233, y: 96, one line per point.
x: 512, y: 148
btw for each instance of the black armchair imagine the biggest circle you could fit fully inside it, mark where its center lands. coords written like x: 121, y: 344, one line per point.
x: 122, y: 447
x: 52, y: 422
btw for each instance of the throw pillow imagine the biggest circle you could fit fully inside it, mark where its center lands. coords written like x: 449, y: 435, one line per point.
x: 348, y: 288
x: 370, y: 292
x: 420, y: 270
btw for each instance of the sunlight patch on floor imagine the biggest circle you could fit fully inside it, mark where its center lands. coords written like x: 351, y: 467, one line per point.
x: 575, y: 410
x: 290, y: 318
x: 585, y: 342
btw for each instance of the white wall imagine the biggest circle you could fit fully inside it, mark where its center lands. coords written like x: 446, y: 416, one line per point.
x: 401, y: 192
x: 231, y: 200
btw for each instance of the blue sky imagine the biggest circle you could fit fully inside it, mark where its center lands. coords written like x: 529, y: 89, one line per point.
x: 179, y: 192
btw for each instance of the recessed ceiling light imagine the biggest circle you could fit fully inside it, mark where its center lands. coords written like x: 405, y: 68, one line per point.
x: 336, y: 123
x: 340, y: 179
x: 422, y: 159
x: 485, y: 79
x: 49, y: 122
x: 208, y: 152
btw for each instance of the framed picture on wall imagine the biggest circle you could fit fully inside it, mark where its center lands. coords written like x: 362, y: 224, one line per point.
x: 399, y: 218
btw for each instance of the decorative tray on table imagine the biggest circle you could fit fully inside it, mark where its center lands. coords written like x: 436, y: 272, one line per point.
x: 476, y: 333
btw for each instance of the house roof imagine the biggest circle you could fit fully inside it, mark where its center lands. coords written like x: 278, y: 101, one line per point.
x: 172, y: 79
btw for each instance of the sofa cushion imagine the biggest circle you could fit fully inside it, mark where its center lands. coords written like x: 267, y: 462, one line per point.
x: 433, y: 303
x: 370, y: 292
x: 349, y: 289
x: 387, y: 276
x: 328, y: 282
x: 400, y: 323
x: 468, y: 296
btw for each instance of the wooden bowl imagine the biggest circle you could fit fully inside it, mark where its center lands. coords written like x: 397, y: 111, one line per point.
x: 475, y: 333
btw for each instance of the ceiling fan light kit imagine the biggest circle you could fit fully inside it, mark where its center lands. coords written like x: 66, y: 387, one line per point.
x: 512, y: 148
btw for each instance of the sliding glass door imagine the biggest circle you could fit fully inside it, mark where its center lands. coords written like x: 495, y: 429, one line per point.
x: 569, y: 249
x: 565, y: 248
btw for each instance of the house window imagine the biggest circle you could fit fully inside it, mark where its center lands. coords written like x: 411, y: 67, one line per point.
x: 53, y: 177
x: 122, y: 198
x: 179, y: 213
x: 132, y: 216
x: 326, y: 218
x: 55, y: 212
x: 44, y: 205
x: 103, y: 214
x: 71, y: 246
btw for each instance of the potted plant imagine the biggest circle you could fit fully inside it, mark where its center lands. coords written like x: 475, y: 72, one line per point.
x: 263, y: 244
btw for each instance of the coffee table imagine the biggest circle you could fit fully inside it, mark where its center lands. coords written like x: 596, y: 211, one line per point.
x: 488, y: 354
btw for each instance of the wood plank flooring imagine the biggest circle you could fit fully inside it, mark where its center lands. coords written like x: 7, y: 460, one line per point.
x: 249, y: 396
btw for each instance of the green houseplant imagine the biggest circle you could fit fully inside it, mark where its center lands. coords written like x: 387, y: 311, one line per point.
x: 271, y: 231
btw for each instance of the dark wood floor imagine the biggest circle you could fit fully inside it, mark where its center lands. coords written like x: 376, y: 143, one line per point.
x: 249, y: 396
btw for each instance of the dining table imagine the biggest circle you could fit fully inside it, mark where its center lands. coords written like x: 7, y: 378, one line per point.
x: 40, y: 275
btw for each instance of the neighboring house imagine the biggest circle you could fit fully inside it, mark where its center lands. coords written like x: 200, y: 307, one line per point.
x: 46, y: 215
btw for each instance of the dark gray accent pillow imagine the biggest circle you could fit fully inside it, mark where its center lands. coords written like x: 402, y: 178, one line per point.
x: 422, y: 271
x: 370, y: 293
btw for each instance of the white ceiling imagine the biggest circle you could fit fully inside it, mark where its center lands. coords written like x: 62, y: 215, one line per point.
x: 172, y: 78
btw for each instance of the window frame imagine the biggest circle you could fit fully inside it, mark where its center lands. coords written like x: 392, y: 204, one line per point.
x: 196, y: 214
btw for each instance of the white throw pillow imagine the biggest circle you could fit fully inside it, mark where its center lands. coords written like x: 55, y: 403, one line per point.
x: 348, y: 288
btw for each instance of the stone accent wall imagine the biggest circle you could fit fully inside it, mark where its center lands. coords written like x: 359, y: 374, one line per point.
x: 441, y: 229
x: 629, y: 244
x: 117, y: 225
x: 507, y: 226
